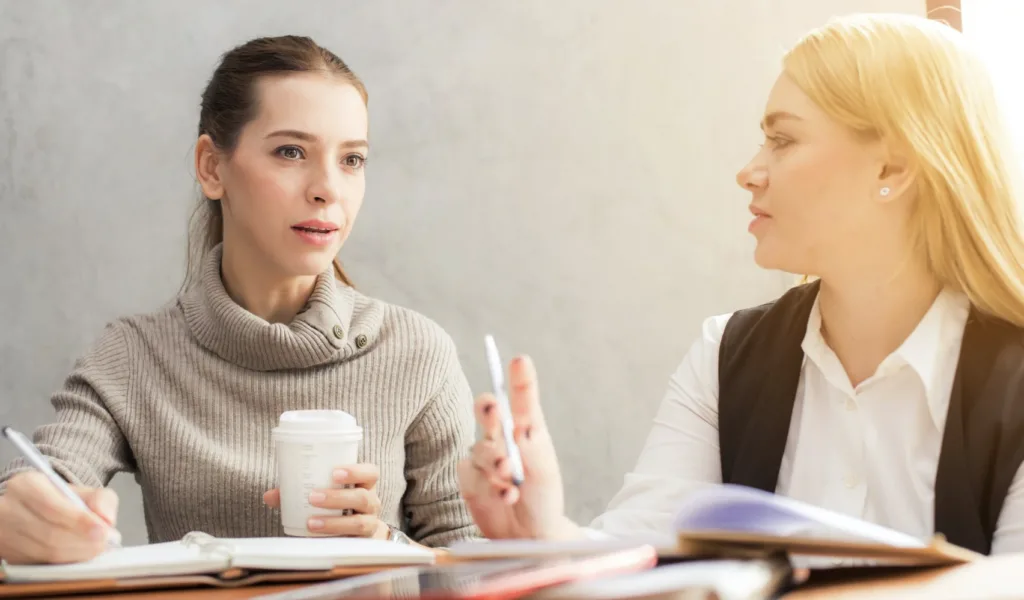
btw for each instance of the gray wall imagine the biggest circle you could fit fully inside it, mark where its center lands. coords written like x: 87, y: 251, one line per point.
x: 557, y: 173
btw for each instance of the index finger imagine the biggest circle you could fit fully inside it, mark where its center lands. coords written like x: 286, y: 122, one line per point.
x: 486, y: 408
x: 47, y: 504
x: 523, y: 396
x: 361, y: 475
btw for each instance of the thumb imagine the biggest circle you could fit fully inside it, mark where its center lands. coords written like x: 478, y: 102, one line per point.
x: 102, y: 501
x: 523, y: 396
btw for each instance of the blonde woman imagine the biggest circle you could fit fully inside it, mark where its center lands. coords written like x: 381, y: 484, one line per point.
x: 891, y: 388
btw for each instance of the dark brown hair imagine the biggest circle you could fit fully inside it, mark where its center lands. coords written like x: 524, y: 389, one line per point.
x: 230, y: 102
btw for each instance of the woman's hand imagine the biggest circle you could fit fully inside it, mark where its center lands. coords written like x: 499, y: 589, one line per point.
x: 39, y: 525
x: 361, y: 498
x: 536, y: 508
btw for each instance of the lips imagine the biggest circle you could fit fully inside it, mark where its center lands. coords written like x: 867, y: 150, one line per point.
x: 316, y: 226
x: 317, y: 233
x: 757, y: 212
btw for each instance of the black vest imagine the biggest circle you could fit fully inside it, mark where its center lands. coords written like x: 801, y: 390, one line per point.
x: 982, y: 446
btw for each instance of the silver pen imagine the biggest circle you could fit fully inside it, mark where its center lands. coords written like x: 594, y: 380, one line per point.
x: 37, y: 460
x: 504, y: 410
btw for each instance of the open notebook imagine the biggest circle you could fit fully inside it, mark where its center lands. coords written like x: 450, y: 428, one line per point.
x: 231, y: 559
x: 730, y: 521
x: 735, y: 520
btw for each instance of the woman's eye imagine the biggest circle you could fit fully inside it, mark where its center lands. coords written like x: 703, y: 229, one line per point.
x: 355, y: 161
x: 290, y: 152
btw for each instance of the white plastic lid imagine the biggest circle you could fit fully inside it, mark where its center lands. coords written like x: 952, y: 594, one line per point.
x: 317, y: 422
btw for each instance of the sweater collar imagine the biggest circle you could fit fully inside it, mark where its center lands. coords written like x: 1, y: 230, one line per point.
x: 318, y: 335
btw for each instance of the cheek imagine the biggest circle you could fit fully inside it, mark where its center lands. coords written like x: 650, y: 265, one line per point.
x: 262, y: 189
x: 808, y: 190
x: 354, y: 196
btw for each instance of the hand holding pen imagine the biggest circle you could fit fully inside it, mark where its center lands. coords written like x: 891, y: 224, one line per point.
x: 511, y: 480
x: 45, y: 520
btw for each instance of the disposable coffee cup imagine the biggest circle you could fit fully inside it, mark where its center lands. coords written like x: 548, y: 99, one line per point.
x: 309, y: 445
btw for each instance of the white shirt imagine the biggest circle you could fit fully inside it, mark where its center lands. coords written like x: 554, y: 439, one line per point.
x: 870, y: 452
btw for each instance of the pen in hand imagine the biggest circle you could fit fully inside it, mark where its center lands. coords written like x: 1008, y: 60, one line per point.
x: 28, y: 450
x: 504, y: 410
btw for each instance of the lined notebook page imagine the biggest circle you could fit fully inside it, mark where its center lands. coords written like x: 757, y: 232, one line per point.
x: 321, y: 553
x: 171, y: 558
x: 201, y: 554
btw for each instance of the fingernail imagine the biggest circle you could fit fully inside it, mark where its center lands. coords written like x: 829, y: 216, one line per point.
x: 340, y: 474
x: 98, y: 532
x: 315, y: 523
x: 317, y: 497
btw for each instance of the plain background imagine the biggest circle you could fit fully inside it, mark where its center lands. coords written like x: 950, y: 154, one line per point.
x: 560, y: 174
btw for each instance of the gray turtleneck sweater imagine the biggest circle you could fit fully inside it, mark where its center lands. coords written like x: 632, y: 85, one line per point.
x: 185, y: 399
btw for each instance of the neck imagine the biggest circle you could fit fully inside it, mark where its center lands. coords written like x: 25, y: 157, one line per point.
x: 272, y: 296
x: 866, y: 316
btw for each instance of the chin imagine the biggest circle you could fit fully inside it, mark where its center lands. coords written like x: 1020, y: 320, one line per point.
x: 763, y: 257
x: 309, y: 264
x: 772, y: 259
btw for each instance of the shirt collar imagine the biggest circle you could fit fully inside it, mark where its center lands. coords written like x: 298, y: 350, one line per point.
x: 931, y: 350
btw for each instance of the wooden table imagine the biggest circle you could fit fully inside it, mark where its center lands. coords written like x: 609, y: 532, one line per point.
x: 994, y: 578
x: 195, y: 593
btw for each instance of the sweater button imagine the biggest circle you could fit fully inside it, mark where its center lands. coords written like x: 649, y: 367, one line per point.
x: 338, y: 332
x: 361, y: 341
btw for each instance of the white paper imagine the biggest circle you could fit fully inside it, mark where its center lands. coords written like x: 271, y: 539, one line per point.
x: 201, y: 554
x: 722, y: 580
x: 171, y: 558
x: 322, y: 553
x: 538, y: 548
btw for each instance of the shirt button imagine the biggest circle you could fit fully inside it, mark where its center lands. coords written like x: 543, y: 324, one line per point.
x: 361, y: 341
x: 850, y: 481
x: 851, y: 405
x: 338, y: 332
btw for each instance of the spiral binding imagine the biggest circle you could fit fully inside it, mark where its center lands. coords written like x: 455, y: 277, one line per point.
x: 207, y: 544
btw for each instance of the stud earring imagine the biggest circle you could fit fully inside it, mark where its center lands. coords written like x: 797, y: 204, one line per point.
x: 884, y: 191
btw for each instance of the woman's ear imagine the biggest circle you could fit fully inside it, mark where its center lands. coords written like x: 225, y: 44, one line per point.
x: 208, y: 161
x: 895, y: 177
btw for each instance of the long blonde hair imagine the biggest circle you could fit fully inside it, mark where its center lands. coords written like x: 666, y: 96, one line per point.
x: 915, y: 84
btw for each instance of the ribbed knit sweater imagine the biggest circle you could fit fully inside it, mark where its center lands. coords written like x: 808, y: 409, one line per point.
x: 185, y: 399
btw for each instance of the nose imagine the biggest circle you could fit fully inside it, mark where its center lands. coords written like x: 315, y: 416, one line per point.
x: 326, y: 186
x: 753, y: 176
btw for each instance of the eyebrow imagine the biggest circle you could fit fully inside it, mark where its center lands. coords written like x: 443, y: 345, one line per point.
x: 309, y: 137
x: 771, y: 118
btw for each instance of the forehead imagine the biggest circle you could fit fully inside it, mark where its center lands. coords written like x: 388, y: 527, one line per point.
x: 324, y: 105
x: 787, y: 98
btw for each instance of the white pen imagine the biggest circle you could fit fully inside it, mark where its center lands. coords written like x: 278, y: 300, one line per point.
x: 504, y: 410
x: 37, y: 460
